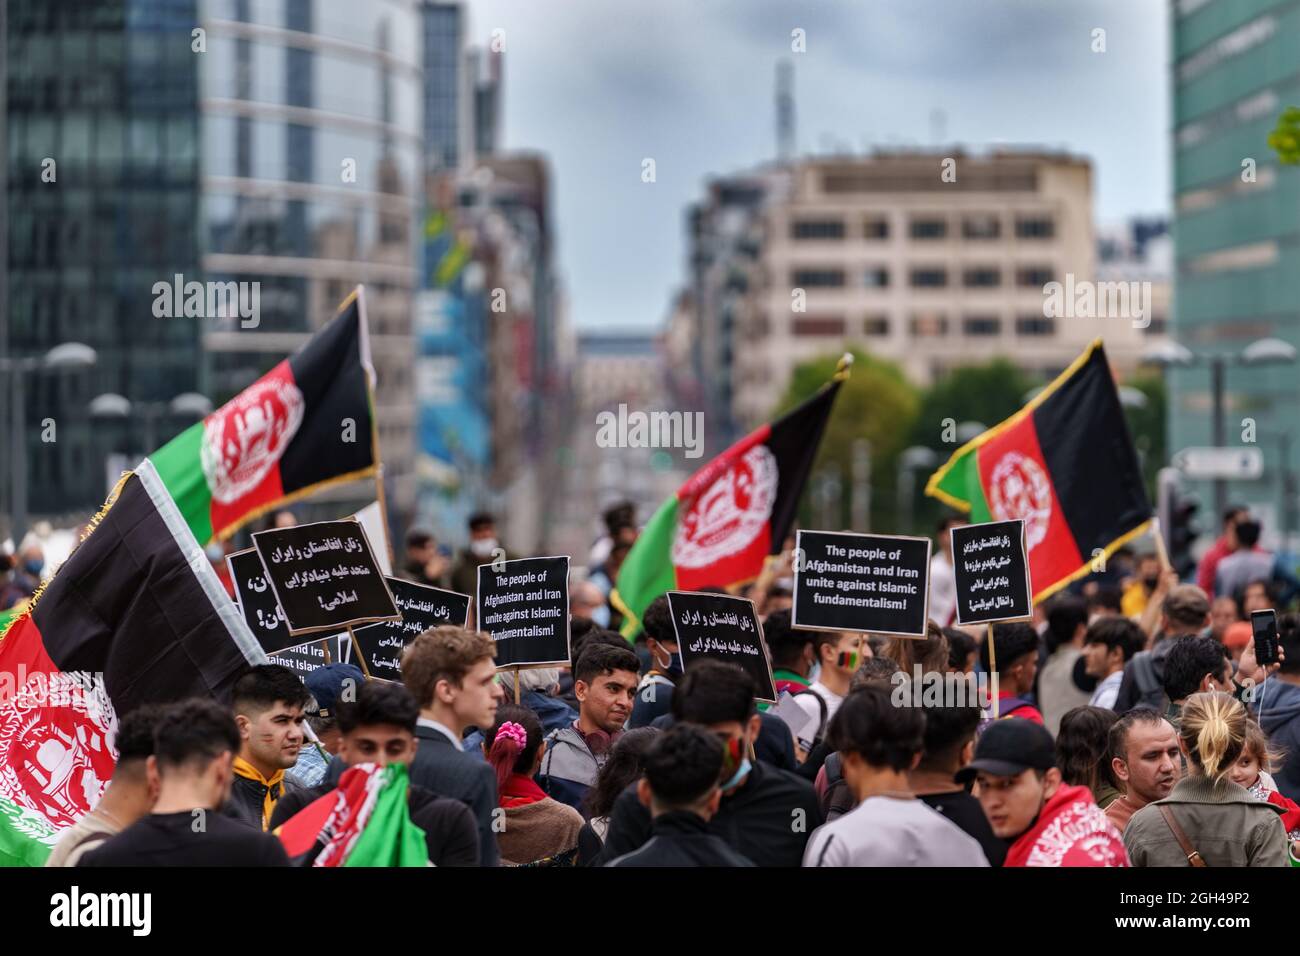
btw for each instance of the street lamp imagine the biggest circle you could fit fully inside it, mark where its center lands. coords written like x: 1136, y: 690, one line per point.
x: 911, y: 460
x: 1170, y: 354
x: 66, y: 357
x: 112, y: 405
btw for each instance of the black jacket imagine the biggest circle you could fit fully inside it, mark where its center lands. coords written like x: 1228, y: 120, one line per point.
x: 774, y: 744
x: 449, y: 828
x: 450, y: 772
x: 681, y: 838
x: 248, y: 796
x: 767, y: 820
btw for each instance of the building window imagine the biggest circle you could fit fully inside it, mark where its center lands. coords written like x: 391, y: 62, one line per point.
x: 929, y: 278
x: 818, y: 325
x: 876, y: 277
x: 981, y: 227
x: 876, y: 229
x: 929, y: 228
x: 817, y: 278
x: 982, y: 325
x: 1035, y: 325
x: 875, y: 325
x: 817, y: 229
x: 1035, y: 227
x: 929, y: 325
x: 1034, y: 277
x: 982, y: 277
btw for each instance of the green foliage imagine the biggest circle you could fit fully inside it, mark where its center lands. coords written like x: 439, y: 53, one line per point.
x: 1285, y: 138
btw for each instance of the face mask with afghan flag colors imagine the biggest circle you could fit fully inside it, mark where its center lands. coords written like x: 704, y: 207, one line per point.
x: 307, y: 423
x: 1065, y: 463
x: 134, y: 616
x: 364, y: 821
x: 730, y: 515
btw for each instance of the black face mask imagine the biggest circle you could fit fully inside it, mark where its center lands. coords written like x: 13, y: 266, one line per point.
x: 1150, y: 583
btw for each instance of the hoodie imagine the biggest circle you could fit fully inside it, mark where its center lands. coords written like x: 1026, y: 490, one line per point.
x: 1278, y: 706
x: 1071, y: 830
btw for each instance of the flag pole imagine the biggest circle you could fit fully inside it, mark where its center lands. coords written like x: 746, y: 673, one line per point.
x: 361, y: 658
x: 325, y: 646
x: 993, y: 662
x: 1161, y: 551
x: 374, y: 424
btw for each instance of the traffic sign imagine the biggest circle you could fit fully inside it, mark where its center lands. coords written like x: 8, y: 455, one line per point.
x: 1241, y: 463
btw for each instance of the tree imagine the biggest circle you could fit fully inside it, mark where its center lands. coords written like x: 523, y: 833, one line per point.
x: 876, y: 403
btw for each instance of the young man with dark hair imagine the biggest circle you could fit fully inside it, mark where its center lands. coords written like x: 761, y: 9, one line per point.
x: 793, y: 653
x: 379, y: 727
x: 195, y: 743
x: 450, y: 673
x: 1184, y: 613
x: 270, y: 703
x: 1145, y: 761
x: 1193, y: 665
x: 682, y: 772
x: 1016, y: 647
x: 948, y: 746
x: 423, y: 563
x: 765, y: 813
x: 1046, y: 821
x: 1222, y: 547
x: 879, y: 745
x: 130, y: 793
x: 655, y: 692
x: 1277, y: 702
x: 604, y: 681
x: 1110, y: 644
x: 483, y: 549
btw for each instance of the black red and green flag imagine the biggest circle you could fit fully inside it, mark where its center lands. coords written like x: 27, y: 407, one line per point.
x: 721, y: 525
x: 307, y: 423
x: 135, y: 615
x: 1066, y: 464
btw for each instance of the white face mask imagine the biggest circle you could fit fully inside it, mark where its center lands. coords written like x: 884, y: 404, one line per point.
x: 483, y: 547
x: 815, y: 673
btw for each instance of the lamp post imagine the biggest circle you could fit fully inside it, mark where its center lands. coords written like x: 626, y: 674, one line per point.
x: 912, y: 460
x: 1170, y: 354
x: 112, y: 405
x: 67, y: 357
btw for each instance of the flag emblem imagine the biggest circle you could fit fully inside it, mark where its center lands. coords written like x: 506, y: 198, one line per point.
x: 244, y: 439
x: 730, y: 513
x: 1019, y: 489
x: 55, y: 732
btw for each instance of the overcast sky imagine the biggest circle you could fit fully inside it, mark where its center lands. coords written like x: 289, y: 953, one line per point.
x: 598, y: 85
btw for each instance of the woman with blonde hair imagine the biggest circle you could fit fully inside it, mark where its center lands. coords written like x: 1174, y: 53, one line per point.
x: 1207, y: 820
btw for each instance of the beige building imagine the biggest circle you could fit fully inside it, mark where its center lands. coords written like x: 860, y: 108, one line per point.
x: 928, y: 260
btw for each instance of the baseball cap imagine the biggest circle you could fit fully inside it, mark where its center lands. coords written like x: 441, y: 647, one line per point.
x: 1010, y: 747
x: 326, y: 683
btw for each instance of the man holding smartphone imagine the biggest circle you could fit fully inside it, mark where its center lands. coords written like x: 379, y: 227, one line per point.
x: 1276, y: 701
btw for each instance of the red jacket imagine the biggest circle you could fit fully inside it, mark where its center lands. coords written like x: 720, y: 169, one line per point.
x: 1210, y: 564
x: 1071, y: 830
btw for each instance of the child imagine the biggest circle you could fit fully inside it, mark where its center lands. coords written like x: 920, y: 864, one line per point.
x: 1249, y: 772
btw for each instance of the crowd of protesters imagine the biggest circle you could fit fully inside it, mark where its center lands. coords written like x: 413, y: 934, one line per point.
x: 1131, y: 726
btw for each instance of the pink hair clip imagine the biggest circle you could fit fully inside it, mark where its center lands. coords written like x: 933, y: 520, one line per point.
x: 515, y: 732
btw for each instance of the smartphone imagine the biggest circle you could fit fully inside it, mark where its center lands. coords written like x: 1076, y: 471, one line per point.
x: 1263, y: 624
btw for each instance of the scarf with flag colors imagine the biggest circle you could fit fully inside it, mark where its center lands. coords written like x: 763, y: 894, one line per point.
x: 307, y: 423
x: 135, y: 615
x: 730, y: 515
x: 364, y: 821
x: 1065, y: 463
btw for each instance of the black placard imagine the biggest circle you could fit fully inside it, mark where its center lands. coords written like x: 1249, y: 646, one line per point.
x: 325, y: 576
x: 992, y: 573
x: 306, y: 657
x: 724, y: 628
x: 422, y: 608
x: 525, y: 607
x: 256, y: 600
x: 875, y: 583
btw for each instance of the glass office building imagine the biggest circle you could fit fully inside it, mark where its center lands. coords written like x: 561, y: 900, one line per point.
x: 1236, y: 66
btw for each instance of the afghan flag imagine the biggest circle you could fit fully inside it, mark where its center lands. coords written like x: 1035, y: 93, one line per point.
x: 307, y: 423
x: 364, y: 821
x: 1066, y: 464
x: 730, y: 515
x: 135, y: 615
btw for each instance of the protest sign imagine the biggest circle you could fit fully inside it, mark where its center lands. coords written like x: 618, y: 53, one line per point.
x: 861, y: 583
x: 257, y: 602
x: 992, y: 572
x: 725, y: 628
x: 305, y: 658
x: 422, y: 607
x: 324, y: 576
x: 524, y: 606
